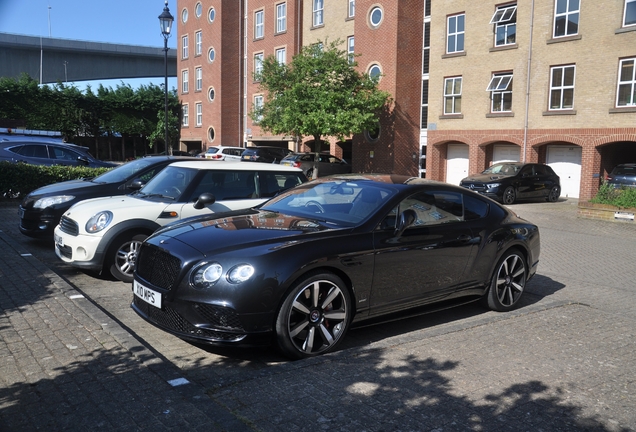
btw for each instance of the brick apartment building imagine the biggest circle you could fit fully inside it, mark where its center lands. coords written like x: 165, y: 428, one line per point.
x: 472, y: 83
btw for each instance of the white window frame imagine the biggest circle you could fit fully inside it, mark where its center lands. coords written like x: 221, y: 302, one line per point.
x: 350, y: 48
x: 505, y: 20
x: 258, y: 63
x: 281, y: 17
x: 185, y: 81
x: 631, y: 5
x: 566, y: 15
x: 199, y: 113
x: 500, y: 88
x: 453, y: 96
x: 626, y: 82
x: 453, y: 32
x: 198, y: 43
x: 561, y: 88
x: 281, y: 55
x: 318, y: 9
x: 185, y: 116
x: 258, y: 103
x: 185, y: 50
x: 259, y: 24
x: 198, y: 79
x: 351, y: 9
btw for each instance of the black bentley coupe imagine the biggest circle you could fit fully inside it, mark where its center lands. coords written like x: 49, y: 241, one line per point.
x: 302, y: 267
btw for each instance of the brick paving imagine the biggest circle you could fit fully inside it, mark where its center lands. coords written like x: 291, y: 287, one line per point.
x: 74, y: 356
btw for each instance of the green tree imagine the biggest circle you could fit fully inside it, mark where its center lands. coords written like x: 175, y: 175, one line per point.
x: 319, y: 94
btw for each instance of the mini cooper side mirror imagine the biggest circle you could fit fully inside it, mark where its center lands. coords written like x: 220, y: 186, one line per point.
x: 204, y: 199
x: 406, y: 219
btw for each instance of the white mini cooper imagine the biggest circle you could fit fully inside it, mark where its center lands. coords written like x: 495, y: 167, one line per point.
x: 105, y: 233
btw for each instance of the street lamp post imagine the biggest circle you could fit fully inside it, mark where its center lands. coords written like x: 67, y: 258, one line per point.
x: 165, y: 20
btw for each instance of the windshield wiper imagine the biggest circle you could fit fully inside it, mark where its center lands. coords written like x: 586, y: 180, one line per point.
x: 155, y: 195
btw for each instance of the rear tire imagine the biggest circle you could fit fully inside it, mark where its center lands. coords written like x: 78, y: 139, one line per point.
x: 554, y: 194
x: 508, y: 282
x: 123, y: 255
x: 509, y: 195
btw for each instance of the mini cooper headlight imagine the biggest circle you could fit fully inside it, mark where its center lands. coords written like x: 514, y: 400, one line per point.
x: 240, y: 273
x: 99, y: 221
x: 52, y: 200
x: 206, y: 275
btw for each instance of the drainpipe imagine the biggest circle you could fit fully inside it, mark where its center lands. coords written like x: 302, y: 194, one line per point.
x: 245, y: 73
x: 525, y: 125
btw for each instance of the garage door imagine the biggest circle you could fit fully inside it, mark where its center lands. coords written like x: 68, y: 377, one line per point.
x: 566, y: 162
x: 505, y: 153
x: 456, y: 163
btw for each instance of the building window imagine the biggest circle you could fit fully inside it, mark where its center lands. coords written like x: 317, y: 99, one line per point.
x: 184, y: 16
x: 375, y: 17
x: 455, y: 33
x: 199, y: 109
x: 198, y: 9
x: 626, y: 95
x: 185, y: 76
x: 185, y: 117
x: 351, y: 11
x: 184, y: 47
x: 258, y: 24
x: 318, y: 10
x: 500, y: 88
x: 424, y: 119
x: 629, y: 17
x: 281, y: 56
x: 453, y: 95
x: 211, y: 134
x: 281, y: 17
x: 258, y: 64
x: 562, y: 87
x: 258, y: 107
x: 211, y: 14
x: 375, y: 72
x: 505, y: 21
x: 350, y: 48
x: 198, y: 79
x: 198, y: 43
x: 211, y: 94
x: 566, y: 18
x: 426, y: 49
x: 211, y: 55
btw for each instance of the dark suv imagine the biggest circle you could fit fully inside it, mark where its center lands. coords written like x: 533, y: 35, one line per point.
x: 264, y: 154
x: 623, y: 175
x: 46, y: 150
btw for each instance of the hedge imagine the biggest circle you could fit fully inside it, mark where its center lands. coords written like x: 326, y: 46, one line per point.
x: 20, y: 179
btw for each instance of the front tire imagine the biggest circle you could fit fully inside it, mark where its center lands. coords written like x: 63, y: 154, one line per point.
x: 509, y: 195
x: 124, y: 255
x: 314, y: 316
x: 508, y: 282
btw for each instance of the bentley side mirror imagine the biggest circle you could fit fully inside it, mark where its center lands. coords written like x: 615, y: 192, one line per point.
x: 407, y: 218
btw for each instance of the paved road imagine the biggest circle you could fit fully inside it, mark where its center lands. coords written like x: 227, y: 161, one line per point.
x: 73, y: 355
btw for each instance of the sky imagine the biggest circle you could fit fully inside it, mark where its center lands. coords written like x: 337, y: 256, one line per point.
x: 133, y: 22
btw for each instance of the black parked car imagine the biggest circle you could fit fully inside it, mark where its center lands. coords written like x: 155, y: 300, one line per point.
x: 509, y: 181
x: 310, y: 262
x: 264, y: 154
x: 623, y: 175
x: 47, y: 151
x: 41, y: 210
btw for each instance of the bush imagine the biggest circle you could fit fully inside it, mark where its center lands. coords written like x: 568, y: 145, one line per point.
x: 20, y: 179
x: 624, y: 197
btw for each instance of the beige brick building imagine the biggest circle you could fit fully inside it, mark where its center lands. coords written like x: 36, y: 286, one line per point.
x: 472, y: 83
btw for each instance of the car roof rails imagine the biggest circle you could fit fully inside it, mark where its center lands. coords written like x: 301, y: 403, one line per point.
x: 30, y: 132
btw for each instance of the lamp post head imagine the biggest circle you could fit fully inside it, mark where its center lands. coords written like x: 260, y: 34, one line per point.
x: 165, y: 20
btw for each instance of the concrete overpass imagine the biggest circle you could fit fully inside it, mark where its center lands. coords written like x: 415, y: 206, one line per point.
x: 72, y: 60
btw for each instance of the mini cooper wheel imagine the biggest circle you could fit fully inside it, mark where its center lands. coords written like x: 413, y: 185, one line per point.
x: 509, y: 195
x: 554, y: 194
x: 124, y: 256
x: 314, y: 316
x: 508, y: 282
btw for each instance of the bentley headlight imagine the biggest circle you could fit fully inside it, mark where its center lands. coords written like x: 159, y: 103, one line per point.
x: 43, y: 203
x: 99, y: 221
x: 206, y: 275
x: 240, y: 273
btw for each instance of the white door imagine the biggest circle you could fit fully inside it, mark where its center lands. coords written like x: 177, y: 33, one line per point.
x: 566, y: 162
x: 456, y: 163
x: 505, y: 153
